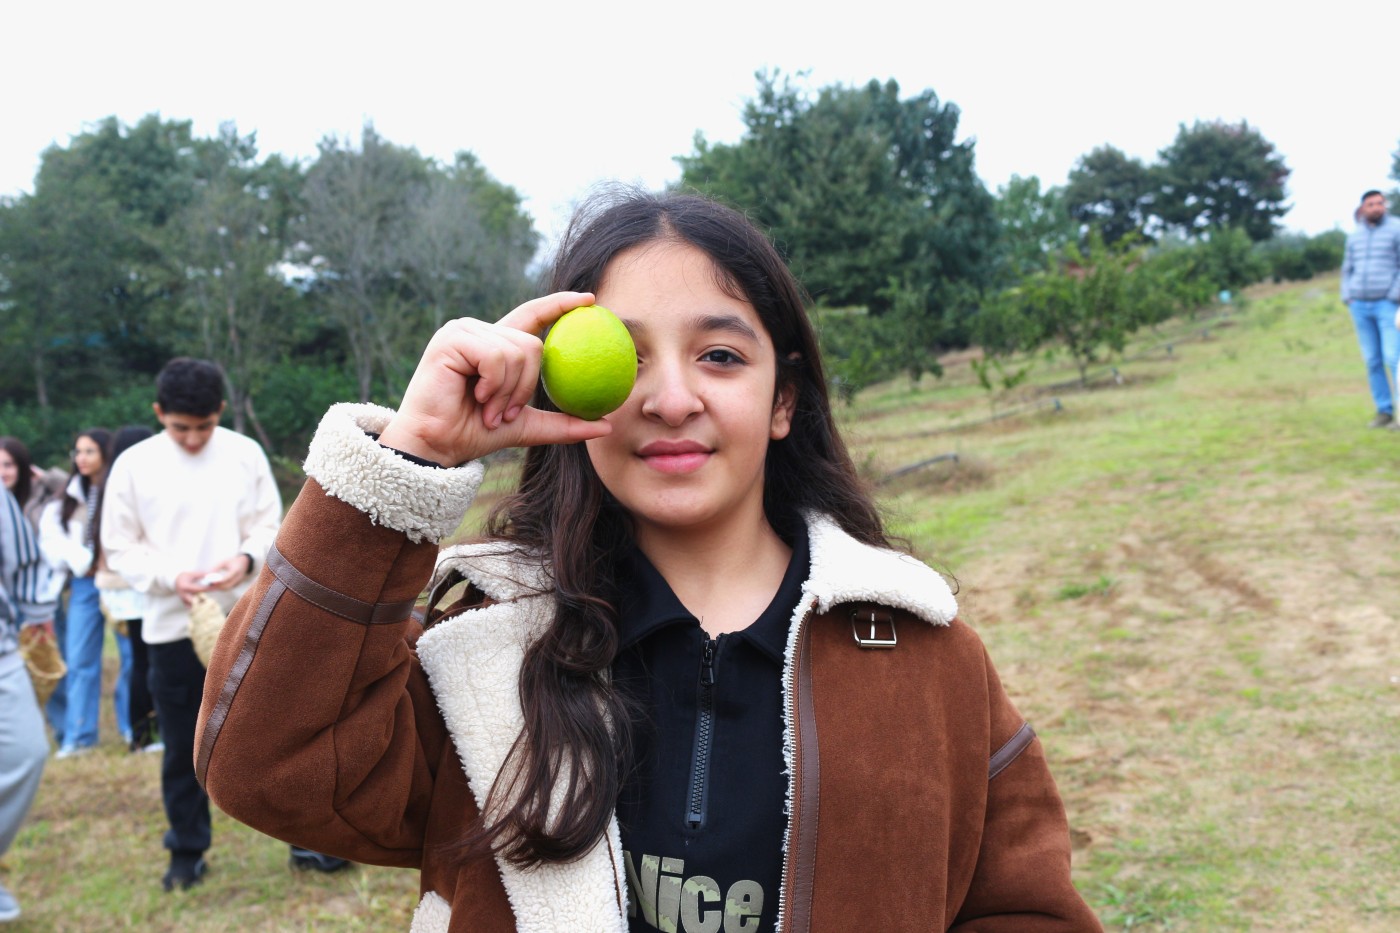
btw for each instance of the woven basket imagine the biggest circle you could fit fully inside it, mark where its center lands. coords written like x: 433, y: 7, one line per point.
x: 43, y: 661
x: 206, y: 621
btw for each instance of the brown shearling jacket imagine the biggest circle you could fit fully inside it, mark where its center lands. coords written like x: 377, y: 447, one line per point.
x: 918, y: 798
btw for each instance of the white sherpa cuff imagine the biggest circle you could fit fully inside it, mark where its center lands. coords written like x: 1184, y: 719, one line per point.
x: 422, y: 502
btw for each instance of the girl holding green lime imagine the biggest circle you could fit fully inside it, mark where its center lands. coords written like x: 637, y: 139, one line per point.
x: 685, y: 682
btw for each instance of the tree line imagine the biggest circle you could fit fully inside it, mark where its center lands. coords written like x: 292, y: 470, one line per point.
x: 307, y: 283
x: 320, y: 281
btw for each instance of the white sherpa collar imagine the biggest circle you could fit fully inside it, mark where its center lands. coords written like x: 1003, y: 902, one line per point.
x: 422, y: 502
x: 846, y: 571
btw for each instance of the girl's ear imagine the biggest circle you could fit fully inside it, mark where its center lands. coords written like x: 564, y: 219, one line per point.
x: 783, y: 406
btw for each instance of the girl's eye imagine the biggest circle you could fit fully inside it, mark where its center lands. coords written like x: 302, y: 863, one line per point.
x: 722, y: 357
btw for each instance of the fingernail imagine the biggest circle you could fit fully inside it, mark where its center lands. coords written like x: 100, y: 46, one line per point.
x: 513, y: 412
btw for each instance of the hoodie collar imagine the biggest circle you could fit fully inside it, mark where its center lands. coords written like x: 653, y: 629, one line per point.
x: 646, y: 602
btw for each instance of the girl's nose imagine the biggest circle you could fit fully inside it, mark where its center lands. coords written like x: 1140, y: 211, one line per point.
x: 667, y: 393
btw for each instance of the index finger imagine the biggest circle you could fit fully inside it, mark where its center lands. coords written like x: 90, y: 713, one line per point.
x: 538, y: 313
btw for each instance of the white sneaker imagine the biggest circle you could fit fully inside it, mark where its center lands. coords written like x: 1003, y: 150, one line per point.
x: 154, y: 748
x: 9, y: 907
x: 72, y: 751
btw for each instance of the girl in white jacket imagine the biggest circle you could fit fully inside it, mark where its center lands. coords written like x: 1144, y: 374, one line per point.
x: 67, y: 531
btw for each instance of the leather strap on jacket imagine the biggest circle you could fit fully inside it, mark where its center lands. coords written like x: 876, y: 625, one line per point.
x: 347, y: 607
x: 215, y: 721
x: 1012, y: 750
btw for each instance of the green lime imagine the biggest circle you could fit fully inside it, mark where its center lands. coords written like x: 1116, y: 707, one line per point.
x: 589, y: 363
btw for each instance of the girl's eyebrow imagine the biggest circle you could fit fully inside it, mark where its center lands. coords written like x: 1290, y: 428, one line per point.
x: 705, y: 323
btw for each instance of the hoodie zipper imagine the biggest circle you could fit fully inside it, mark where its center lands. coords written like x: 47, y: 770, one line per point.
x: 704, y: 738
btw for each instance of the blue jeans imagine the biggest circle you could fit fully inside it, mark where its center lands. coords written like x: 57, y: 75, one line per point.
x: 1380, y: 347
x: 56, y: 710
x: 83, y: 651
x: 122, y: 697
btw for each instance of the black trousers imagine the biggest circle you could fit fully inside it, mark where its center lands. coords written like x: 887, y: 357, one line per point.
x: 177, y: 686
x: 142, y: 711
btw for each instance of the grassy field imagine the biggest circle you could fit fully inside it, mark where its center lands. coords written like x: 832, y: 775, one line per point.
x: 1186, y: 574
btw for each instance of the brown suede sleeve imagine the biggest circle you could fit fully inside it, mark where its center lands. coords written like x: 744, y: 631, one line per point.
x: 317, y: 725
x: 1022, y: 880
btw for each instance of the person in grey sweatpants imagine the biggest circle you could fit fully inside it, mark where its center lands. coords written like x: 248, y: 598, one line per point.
x: 23, y: 744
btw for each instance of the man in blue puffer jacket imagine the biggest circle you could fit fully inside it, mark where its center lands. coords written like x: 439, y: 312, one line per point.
x: 1371, y: 288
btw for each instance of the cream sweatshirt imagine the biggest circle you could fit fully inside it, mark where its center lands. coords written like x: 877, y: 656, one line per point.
x: 166, y: 511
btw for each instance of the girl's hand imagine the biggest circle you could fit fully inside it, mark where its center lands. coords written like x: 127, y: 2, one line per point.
x: 471, y: 392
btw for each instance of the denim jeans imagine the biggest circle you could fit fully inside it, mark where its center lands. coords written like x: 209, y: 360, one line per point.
x: 56, y: 710
x: 1380, y: 347
x: 121, y: 699
x: 83, y: 651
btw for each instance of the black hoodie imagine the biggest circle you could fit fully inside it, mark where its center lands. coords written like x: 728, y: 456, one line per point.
x: 702, y: 812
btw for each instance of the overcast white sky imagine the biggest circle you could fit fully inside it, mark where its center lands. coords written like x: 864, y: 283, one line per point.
x: 553, y: 97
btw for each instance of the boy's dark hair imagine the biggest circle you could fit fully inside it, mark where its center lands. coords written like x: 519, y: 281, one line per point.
x: 187, y: 386
x: 1370, y: 193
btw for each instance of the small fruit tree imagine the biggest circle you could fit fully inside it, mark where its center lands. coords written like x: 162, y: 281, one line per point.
x: 1089, y: 302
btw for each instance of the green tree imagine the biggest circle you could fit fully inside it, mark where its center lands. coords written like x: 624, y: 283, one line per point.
x: 61, y: 275
x: 223, y: 248
x: 1091, y: 302
x: 1216, y: 175
x: 1296, y: 256
x: 357, y: 215
x: 871, y: 197
x: 1111, y: 192
x: 1223, y: 259
x: 398, y: 244
x: 468, y: 244
x: 1323, y: 253
x: 85, y: 279
x: 144, y: 169
x: 1035, y: 225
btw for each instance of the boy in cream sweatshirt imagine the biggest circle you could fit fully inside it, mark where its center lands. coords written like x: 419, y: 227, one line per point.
x: 190, y: 510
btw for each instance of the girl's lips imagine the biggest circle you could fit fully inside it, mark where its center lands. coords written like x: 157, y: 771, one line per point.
x: 677, y: 463
x: 675, y: 456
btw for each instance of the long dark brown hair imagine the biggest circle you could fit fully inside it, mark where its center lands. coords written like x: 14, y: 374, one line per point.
x: 19, y: 453
x: 576, y: 734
